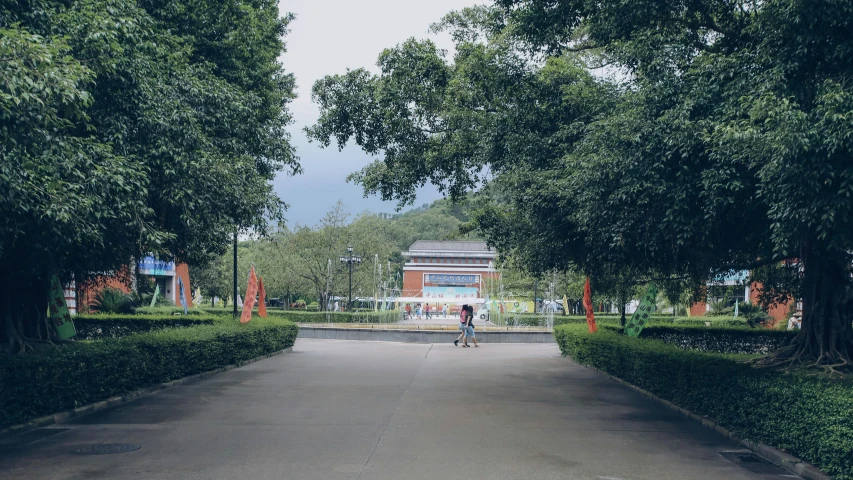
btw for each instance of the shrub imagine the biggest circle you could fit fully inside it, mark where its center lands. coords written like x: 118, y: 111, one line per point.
x: 811, y: 417
x: 112, y: 300
x: 169, y: 310
x: 93, y: 327
x: 53, y: 379
x: 719, y: 339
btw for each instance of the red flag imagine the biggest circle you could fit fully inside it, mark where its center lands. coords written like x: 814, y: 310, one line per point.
x: 249, y: 302
x: 262, y: 307
x: 587, y: 304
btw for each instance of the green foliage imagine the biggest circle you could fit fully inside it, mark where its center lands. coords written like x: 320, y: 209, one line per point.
x: 810, y: 417
x: 752, y: 313
x: 58, y: 378
x: 112, y: 300
x: 723, y: 144
x: 719, y: 339
x: 129, y: 128
x: 96, y: 327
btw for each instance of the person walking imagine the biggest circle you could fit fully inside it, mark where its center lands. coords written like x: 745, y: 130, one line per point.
x: 462, y: 326
x: 469, y: 327
x: 426, y: 309
x: 444, y: 310
x: 408, y: 312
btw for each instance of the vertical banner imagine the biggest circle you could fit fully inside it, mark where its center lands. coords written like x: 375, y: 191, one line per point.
x: 643, y: 312
x: 587, y: 305
x: 156, y: 293
x: 60, y: 317
x: 262, y: 306
x: 251, y: 292
x: 183, y: 295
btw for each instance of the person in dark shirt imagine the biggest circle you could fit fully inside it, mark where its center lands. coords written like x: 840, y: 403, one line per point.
x: 469, y: 327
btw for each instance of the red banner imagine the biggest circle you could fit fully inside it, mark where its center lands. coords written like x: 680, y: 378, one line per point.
x: 587, y: 304
x: 249, y: 302
x: 262, y: 306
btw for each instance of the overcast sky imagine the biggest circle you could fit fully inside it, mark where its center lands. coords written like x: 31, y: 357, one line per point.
x: 327, y: 37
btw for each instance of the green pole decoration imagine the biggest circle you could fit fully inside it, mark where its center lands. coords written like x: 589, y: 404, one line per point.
x: 156, y: 292
x: 60, y: 317
x: 643, y: 312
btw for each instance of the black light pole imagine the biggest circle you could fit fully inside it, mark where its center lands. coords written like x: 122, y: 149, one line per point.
x: 535, y: 288
x: 350, y: 259
x: 235, y: 273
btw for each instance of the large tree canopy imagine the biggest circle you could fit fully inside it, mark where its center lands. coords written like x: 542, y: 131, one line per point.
x: 721, y: 141
x: 132, y: 127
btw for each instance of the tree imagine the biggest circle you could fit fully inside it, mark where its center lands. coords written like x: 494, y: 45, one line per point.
x: 131, y: 128
x: 722, y: 145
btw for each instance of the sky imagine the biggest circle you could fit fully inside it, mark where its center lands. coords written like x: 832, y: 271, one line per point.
x: 327, y: 37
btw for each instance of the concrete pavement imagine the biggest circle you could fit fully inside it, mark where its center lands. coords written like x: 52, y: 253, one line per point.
x: 380, y: 411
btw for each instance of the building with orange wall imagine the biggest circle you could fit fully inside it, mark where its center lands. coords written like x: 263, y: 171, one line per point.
x: 165, y: 275
x: 741, y: 292
x: 447, y: 271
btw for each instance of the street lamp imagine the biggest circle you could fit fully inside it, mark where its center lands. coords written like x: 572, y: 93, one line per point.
x: 350, y: 259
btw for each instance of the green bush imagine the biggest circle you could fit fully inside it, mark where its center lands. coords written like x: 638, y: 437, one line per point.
x: 540, y: 320
x: 54, y: 379
x: 168, y: 310
x: 810, y: 417
x: 94, y: 327
x: 719, y: 339
x: 112, y: 300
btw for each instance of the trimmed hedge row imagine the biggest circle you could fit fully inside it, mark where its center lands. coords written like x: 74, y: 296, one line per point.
x: 54, y: 379
x: 94, y: 327
x: 720, y: 340
x: 540, y: 320
x: 167, y: 311
x: 810, y: 417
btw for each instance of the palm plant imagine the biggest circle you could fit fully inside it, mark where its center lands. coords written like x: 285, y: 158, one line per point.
x: 112, y: 300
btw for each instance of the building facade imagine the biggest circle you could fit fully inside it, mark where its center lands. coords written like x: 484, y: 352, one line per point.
x: 447, y: 271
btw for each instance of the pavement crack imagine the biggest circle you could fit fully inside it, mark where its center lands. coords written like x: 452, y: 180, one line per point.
x: 385, y: 429
x: 430, y: 349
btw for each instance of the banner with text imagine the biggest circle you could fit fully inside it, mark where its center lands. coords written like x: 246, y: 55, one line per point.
x: 262, y: 306
x: 643, y: 313
x: 450, y: 293
x: 60, y: 317
x: 587, y: 305
x: 251, y: 292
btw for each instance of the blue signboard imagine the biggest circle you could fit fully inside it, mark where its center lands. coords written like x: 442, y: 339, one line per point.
x: 151, y: 266
x: 450, y: 293
x: 441, y: 279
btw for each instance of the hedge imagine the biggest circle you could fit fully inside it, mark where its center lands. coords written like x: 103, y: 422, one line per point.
x: 811, y: 417
x: 540, y: 320
x: 167, y: 311
x: 94, y: 327
x: 720, y: 339
x: 57, y: 378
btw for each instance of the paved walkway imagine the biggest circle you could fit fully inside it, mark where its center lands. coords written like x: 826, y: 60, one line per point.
x: 388, y: 411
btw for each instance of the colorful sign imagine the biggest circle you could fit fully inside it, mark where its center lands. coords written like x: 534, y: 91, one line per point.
x: 643, y: 313
x: 251, y: 292
x: 587, y: 305
x: 151, y: 266
x: 262, y: 306
x: 450, y: 293
x: 60, y: 317
x: 441, y: 279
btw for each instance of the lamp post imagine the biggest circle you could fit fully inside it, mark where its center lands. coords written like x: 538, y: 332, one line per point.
x: 349, y: 260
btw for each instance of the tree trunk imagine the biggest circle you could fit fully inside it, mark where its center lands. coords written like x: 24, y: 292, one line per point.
x: 622, y: 302
x: 23, y: 308
x: 826, y: 338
